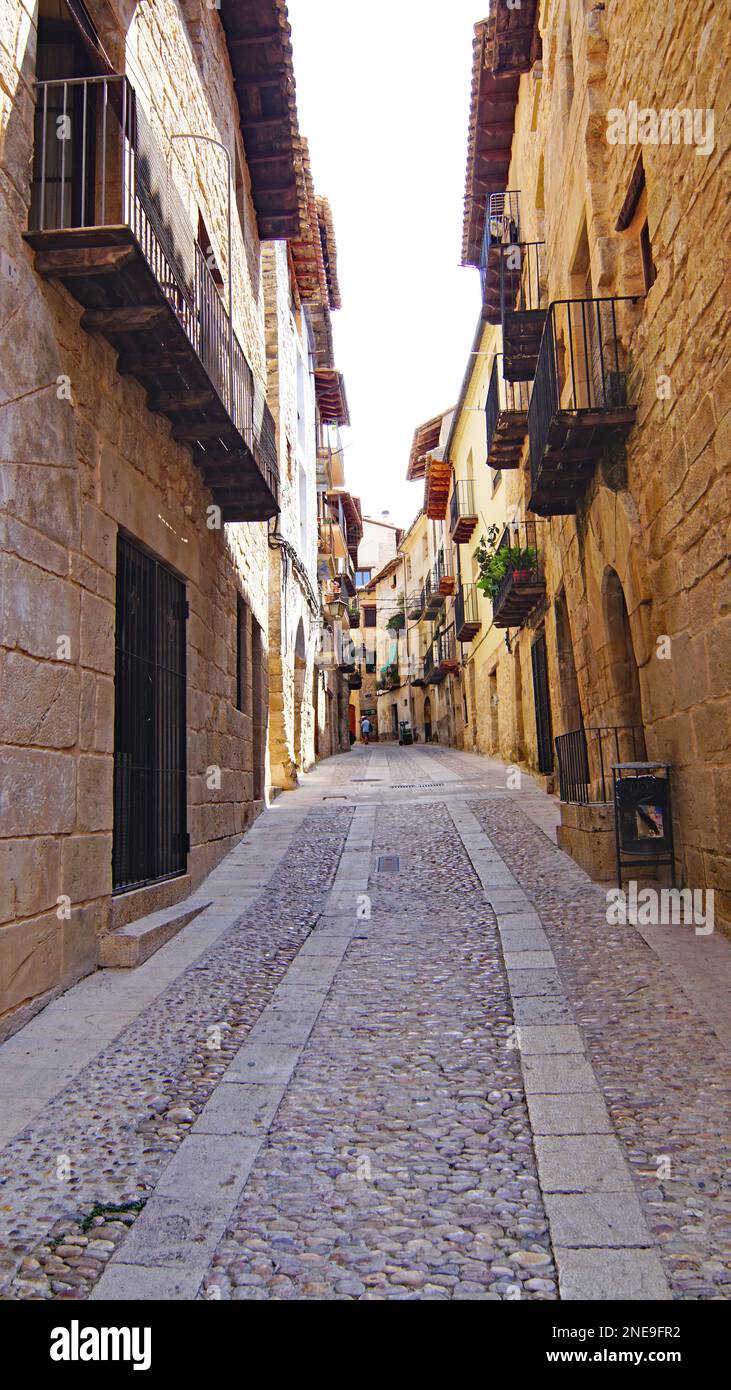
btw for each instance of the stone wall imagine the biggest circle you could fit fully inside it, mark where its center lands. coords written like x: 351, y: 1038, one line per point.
x: 655, y: 517
x: 292, y: 620
x: 82, y: 456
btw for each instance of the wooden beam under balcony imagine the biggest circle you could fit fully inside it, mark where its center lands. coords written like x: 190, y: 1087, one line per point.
x: 522, y: 333
x: 575, y: 441
x: 150, y: 325
x: 70, y: 261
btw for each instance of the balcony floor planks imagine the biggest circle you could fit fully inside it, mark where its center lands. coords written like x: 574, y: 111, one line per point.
x: 576, y: 440
x: 124, y: 301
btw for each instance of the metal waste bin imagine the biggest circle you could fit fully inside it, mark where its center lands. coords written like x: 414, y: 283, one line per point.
x: 643, y: 816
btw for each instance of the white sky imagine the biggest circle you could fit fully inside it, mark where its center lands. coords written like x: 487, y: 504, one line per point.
x: 383, y: 99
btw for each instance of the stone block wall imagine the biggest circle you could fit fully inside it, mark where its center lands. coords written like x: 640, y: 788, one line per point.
x: 655, y: 518
x: 292, y: 620
x: 82, y: 457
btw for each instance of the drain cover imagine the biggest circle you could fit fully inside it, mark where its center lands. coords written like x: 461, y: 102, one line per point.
x: 388, y: 864
x: 415, y: 786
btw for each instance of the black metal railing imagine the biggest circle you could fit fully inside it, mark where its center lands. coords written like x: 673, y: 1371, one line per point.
x: 97, y: 165
x: 502, y: 226
x: 462, y: 502
x: 585, y: 758
x: 466, y: 607
x: 522, y: 277
x: 503, y: 397
x: 581, y: 365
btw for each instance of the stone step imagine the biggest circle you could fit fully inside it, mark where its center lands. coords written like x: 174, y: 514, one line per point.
x: 134, y: 943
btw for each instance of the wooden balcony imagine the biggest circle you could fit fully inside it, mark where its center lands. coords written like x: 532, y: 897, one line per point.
x: 523, y: 585
x: 501, y: 228
x: 106, y: 224
x: 467, y: 620
x: 440, y: 658
x: 514, y: 43
x: 579, y: 399
x: 506, y: 417
x: 444, y: 572
x: 462, y: 512
x: 522, y: 307
x: 431, y: 599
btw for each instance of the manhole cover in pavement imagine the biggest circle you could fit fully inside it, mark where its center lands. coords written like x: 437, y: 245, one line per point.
x: 388, y: 864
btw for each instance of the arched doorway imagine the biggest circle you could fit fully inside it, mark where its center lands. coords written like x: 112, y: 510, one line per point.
x: 427, y: 720
x: 298, y: 694
x: 568, y: 684
x: 624, y: 698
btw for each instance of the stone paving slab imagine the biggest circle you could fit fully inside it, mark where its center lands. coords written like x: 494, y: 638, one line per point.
x: 597, y: 1220
x: 237, y: 1107
x: 527, y: 960
x: 515, y: 939
x: 204, y: 1169
x: 582, y: 1163
x: 557, y: 1075
x: 263, y: 1062
x: 536, y: 1040
x: 173, y: 1233
x: 134, y: 1283
x: 552, y: 1009
x: 534, y: 983
x: 599, y: 1274
x: 581, y: 1112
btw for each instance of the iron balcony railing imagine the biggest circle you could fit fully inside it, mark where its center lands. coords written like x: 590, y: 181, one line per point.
x: 581, y: 366
x: 522, y: 277
x: 585, y: 758
x: 462, y: 503
x: 98, y: 166
x: 519, y: 589
x: 466, y: 608
x: 440, y: 656
x: 431, y: 599
x: 502, y: 226
x: 504, y: 398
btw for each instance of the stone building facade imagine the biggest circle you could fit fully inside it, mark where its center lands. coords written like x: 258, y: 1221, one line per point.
x: 140, y: 460
x: 609, y: 408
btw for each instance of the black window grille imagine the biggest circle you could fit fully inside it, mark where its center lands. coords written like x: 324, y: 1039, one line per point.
x: 150, y: 840
x: 544, y: 727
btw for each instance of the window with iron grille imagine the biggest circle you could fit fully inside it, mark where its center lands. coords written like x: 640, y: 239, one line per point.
x: 150, y: 840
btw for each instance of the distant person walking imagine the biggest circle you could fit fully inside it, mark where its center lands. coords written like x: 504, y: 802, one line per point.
x: 365, y: 728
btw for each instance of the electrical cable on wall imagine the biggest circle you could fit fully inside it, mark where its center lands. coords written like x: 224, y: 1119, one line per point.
x: 276, y: 541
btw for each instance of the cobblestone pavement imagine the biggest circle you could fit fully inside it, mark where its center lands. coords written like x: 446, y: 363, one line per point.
x: 337, y: 1097
x: 400, y: 1161
x: 665, y: 1079
x: 73, y: 1181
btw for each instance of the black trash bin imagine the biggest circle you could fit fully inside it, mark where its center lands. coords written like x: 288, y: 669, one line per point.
x: 643, y: 816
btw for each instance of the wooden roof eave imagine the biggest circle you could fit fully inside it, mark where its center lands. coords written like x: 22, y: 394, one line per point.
x: 259, y: 44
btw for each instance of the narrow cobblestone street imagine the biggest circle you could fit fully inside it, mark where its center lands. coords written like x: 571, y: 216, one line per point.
x: 399, y: 1054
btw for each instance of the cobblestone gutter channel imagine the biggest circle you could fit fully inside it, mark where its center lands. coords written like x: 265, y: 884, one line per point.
x: 661, y: 1070
x: 399, y: 1164
x: 81, y: 1172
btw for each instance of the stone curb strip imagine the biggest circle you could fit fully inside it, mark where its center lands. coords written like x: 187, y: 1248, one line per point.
x: 602, y: 1247
x: 170, y: 1247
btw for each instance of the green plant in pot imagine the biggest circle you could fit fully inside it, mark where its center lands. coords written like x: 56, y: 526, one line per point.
x: 496, y: 561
